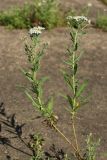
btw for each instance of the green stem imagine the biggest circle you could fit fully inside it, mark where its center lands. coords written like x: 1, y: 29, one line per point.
x: 75, y: 135
x: 76, y: 154
x: 34, y: 76
x: 74, y: 92
x: 73, y: 67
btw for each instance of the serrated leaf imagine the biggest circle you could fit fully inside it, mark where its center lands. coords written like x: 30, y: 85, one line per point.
x: 81, y: 89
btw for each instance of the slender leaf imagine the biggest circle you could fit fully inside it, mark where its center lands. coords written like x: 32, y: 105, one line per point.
x: 34, y: 102
x: 50, y: 105
x: 76, y: 47
x: 78, y: 57
x: 81, y: 89
x: 75, y: 68
x: 68, y: 63
x: 42, y: 80
x: 62, y: 95
x: 70, y: 101
x: 67, y: 79
x: 72, y: 34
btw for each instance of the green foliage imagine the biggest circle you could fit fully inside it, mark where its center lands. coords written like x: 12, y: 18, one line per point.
x: 91, y: 148
x: 101, y: 22
x: 47, y: 11
x: 16, y: 17
x: 44, y: 12
x: 75, y: 100
x: 35, y: 92
x: 36, y: 146
x: 77, y: 89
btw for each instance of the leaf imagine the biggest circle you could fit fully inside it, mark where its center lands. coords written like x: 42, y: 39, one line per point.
x: 23, y: 71
x: 72, y: 34
x: 50, y: 105
x: 39, y: 86
x: 36, y: 63
x: 40, y: 91
x: 75, y: 68
x: 81, y: 89
x: 76, y: 47
x: 42, y: 80
x: 28, y: 49
x: 48, y: 109
x: 69, y: 51
x: 34, y: 103
x: 27, y: 74
x: 35, y: 88
x: 68, y: 63
x: 67, y: 79
x: 40, y: 54
x: 85, y: 100
x: 70, y: 101
x: 62, y: 95
x: 78, y: 57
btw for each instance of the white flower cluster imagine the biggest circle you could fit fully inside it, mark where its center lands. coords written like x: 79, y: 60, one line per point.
x: 36, y: 31
x: 79, y: 18
x: 89, y: 4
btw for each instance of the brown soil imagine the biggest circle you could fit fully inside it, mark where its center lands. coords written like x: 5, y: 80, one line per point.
x: 92, y: 118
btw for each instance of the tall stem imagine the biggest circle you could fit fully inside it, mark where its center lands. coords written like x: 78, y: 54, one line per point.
x: 67, y: 140
x: 74, y: 90
x: 76, y: 153
x: 75, y: 135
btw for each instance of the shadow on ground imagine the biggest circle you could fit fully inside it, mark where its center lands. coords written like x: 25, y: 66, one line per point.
x: 10, y: 124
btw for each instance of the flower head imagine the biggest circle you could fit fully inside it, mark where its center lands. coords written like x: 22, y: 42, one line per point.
x: 89, y: 4
x: 35, y: 31
x: 78, y: 18
x: 78, y: 21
